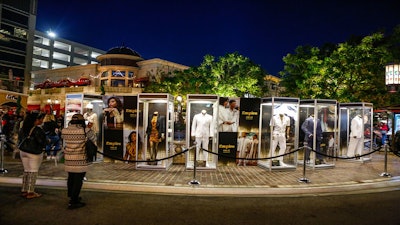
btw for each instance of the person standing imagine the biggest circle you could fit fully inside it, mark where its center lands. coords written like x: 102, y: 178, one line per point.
x: 32, y: 156
x: 76, y: 165
x: 223, y: 115
x: 130, y: 153
x: 233, y: 116
x: 54, y: 141
x: 243, y: 143
x: 254, y: 151
x: 384, y: 130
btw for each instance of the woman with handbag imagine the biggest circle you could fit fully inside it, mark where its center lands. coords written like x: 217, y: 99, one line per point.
x: 76, y: 163
x: 32, y: 141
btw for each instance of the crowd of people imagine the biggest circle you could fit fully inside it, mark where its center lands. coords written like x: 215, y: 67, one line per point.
x: 46, y: 136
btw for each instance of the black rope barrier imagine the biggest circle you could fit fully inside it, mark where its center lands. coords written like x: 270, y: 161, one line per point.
x: 250, y: 159
x: 339, y: 157
x: 291, y: 152
x: 273, y: 157
x: 154, y: 160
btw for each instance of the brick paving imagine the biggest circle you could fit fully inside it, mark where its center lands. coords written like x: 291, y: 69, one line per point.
x: 344, y: 172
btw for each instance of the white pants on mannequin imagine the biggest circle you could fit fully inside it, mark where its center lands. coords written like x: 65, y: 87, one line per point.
x: 355, y: 146
x: 202, y: 143
x: 281, y: 140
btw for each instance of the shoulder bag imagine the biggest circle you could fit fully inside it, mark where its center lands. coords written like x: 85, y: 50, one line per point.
x: 90, y: 149
x: 28, y: 144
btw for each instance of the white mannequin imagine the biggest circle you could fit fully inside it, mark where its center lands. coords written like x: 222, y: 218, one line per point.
x: 91, y: 117
x: 202, y: 131
x: 356, y: 143
x: 280, y: 127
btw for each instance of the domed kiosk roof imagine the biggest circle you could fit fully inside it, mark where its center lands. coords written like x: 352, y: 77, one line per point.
x: 123, y: 51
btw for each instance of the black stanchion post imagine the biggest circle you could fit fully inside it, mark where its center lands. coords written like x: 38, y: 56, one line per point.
x: 194, y: 181
x: 2, y: 140
x: 304, y: 179
x: 385, y: 173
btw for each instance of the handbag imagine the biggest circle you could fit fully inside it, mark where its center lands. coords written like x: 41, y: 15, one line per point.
x: 90, y: 149
x: 28, y: 144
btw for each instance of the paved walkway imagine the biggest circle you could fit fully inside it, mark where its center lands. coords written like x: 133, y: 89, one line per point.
x: 346, y: 177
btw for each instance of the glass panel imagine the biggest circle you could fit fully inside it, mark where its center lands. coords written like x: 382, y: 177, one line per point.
x: 201, y: 131
x: 155, y: 126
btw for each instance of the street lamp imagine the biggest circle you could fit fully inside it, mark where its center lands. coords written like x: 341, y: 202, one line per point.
x: 51, y: 34
x: 392, y: 76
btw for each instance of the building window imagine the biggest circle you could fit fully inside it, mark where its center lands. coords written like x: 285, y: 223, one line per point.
x: 62, y: 46
x: 104, y: 82
x: 118, y: 83
x: 80, y: 61
x: 131, y: 74
x: 94, y: 55
x: 118, y: 73
x: 81, y: 51
x: 42, y: 40
x: 40, y: 63
x: 20, y: 33
x: 104, y: 74
x: 58, y: 66
x: 61, y: 56
x: 41, y: 51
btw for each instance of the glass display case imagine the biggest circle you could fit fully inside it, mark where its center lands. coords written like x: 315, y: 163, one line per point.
x: 155, y: 131
x: 318, y: 132
x: 356, y: 131
x: 278, y: 123
x: 201, y: 131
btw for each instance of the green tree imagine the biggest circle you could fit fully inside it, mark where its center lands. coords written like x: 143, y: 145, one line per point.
x: 350, y: 72
x: 230, y: 75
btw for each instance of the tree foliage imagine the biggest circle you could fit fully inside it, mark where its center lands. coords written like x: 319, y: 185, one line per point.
x: 348, y: 72
x: 230, y: 75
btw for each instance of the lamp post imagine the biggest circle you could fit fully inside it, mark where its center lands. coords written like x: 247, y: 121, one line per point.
x: 392, y: 81
x: 179, y: 99
x: 179, y: 121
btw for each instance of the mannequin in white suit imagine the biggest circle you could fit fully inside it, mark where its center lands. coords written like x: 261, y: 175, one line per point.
x: 280, y: 128
x: 356, y: 143
x: 202, y: 131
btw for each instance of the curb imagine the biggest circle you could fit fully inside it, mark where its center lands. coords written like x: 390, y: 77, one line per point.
x: 304, y: 189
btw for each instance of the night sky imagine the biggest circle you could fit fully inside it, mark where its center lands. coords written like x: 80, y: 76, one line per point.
x: 185, y: 31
